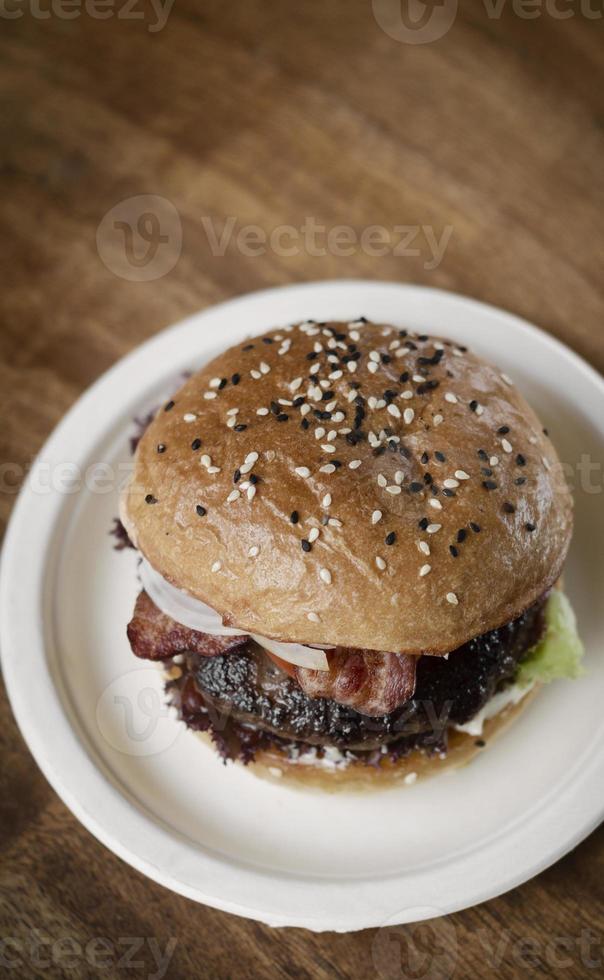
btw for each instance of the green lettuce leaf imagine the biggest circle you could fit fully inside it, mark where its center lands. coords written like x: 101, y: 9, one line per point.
x: 560, y: 651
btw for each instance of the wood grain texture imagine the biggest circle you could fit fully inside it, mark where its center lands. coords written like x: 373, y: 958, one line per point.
x: 273, y: 112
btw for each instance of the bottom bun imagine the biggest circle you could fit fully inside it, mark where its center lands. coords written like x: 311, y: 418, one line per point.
x: 357, y: 776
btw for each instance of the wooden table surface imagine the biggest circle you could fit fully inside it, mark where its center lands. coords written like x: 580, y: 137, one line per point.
x: 484, y: 144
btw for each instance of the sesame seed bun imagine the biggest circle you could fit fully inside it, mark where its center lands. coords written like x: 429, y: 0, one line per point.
x: 355, y: 485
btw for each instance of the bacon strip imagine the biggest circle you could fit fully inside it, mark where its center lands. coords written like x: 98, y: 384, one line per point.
x: 155, y: 636
x: 372, y: 683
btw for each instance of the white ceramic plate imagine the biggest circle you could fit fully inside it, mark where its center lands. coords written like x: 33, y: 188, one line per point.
x: 157, y: 795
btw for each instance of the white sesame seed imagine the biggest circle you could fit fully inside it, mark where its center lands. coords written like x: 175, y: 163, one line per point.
x: 339, y: 417
x: 399, y: 476
x: 331, y: 435
x: 546, y: 463
x: 254, y: 550
x: 507, y: 379
x: 351, y: 395
x: 205, y: 460
x: 325, y: 576
x: 232, y: 422
x: 315, y: 368
x: 450, y: 484
x: 335, y: 375
x: 251, y: 492
x: 262, y: 411
x: 506, y: 446
x: 233, y: 411
x: 295, y: 384
x: 407, y: 394
x: 533, y: 440
x: 214, y: 382
x: 372, y: 366
x: 313, y: 534
x: 264, y: 367
x: 326, y: 502
x: 314, y: 617
x: 433, y: 528
x: 461, y: 475
x: 251, y: 458
x: 209, y: 394
x: 408, y: 415
x: 376, y: 516
x: 450, y: 397
x: 394, y: 410
x: 381, y: 564
x: 327, y: 468
x: 424, y: 547
x: 354, y: 335
x: 424, y: 570
x: 302, y: 471
x: 352, y: 366
x: 372, y: 402
x: 189, y: 417
x: 382, y: 481
x: 494, y: 460
x: 479, y: 410
x: 213, y: 469
x: 234, y: 495
x: 317, y: 347
x: 216, y: 566
x: 394, y: 490
x: 255, y: 374
x: 408, y: 780
x: 328, y: 447
x: 245, y: 467
x: 419, y: 378
x: 304, y: 409
x: 435, y: 503
x: 319, y: 433
x: 452, y: 598
x: 437, y: 420
x: 374, y: 356
x: 354, y: 464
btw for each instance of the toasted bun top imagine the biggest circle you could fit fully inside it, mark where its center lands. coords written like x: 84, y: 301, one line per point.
x: 352, y: 484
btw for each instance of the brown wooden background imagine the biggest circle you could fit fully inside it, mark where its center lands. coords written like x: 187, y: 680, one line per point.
x: 272, y: 112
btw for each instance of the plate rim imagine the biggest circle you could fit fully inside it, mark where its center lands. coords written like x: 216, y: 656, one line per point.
x: 32, y: 728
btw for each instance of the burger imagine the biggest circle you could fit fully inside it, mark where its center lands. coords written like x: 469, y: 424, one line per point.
x: 351, y: 541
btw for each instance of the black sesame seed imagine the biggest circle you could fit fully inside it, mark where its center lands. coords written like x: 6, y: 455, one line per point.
x: 312, y: 356
x: 425, y: 457
x: 423, y: 523
x: 480, y: 743
x: 150, y: 499
x: 161, y: 448
x: 294, y: 517
x: 275, y: 408
x: 351, y: 439
x: 223, y: 384
x: 390, y: 538
x: 520, y: 460
x: 306, y: 545
x: 482, y: 454
x: 268, y: 340
x: 248, y: 347
x: 168, y: 406
x: 236, y: 378
x: 489, y: 484
x: 337, y: 463
x: 453, y: 550
x: 423, y: 337
x: 282, y: 417
x: 473, y: 405
x: 327, y: 396
x: 196, y: 444
x: 461, y: 535
x: 427, y: 478
x: 520, y: 480
x: 253, y: 478
x: 304, y: 424
x: 486, y: 471
x: 236, y: 476
x: 448, y: 493
x: 404, y: 377
x: 530, y: 527
x: 240, y: 428
x: 434, y: 490
x: 298, y: 401
x: 440, y: 457
x: 415, y: 487
x: 503, y: 430
x: 201, y: 510
x: 386, y: 358
x: 475, y: 527
x: 509, y: 508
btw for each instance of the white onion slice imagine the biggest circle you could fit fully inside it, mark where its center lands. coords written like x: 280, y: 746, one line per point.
x: 182, y: 607
x: 294, y: 653
x: 195, y: 614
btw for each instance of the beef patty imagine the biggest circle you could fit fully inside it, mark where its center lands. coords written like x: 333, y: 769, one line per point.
x: 242, y: 691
